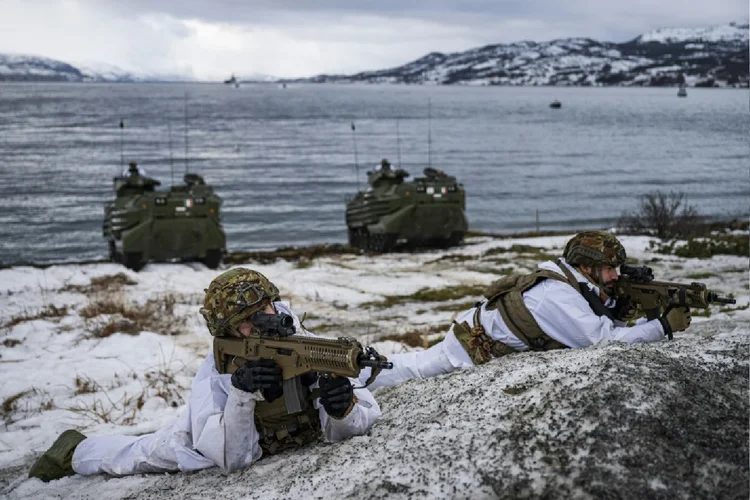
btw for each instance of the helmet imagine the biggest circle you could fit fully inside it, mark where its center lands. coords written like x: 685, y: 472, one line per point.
x: 594, y: 247
x: 234, y: 296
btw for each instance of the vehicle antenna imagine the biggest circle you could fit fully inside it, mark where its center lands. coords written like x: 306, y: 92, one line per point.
x: 356, y: 162
x: 122, y: 157
x: 429, y: 132
x: 171, y: 158
x: 186, y: 134
x: 398, y: 142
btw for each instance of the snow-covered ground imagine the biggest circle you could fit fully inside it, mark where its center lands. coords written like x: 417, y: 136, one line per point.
x: 615, y: 421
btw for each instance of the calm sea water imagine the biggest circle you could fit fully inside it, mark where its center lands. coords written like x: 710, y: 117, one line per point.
x: 284, y: 159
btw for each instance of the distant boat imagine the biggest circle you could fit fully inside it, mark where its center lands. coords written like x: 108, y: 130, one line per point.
x: 682, y: 92
x: 232, y: 80
x: 555, y: 104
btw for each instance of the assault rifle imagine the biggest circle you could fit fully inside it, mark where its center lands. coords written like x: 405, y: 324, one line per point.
x: 274, y: 338
x: 653, y: 298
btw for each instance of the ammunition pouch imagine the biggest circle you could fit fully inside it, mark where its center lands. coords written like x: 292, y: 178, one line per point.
x: 478, y: 345
x: 280, y: 431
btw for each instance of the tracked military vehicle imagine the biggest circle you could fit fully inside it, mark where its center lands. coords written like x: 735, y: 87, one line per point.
x: 426, y: 212
x: 143, y: 224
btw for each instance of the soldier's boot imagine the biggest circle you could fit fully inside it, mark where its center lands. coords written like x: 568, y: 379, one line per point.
x: 56, y: 462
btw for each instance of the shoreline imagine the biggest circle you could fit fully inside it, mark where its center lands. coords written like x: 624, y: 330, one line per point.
x: 310, y: 252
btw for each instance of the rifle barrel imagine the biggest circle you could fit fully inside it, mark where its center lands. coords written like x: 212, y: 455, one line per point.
x: 713, y: 297
x: 375, y: 363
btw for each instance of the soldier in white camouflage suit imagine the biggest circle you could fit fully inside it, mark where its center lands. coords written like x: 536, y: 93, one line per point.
x: 224, y: 422
x: 565, y: 303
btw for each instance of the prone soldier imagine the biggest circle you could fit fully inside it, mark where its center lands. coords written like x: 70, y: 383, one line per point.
x: 566, y: 303
x: 235, y: 414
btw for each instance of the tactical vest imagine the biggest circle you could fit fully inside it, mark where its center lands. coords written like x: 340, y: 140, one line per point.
x: 280, y: 430
x: 506, y: 296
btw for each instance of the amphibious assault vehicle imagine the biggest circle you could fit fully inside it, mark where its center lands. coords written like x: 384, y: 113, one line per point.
x: 142, y: 224
x: 426, y: 212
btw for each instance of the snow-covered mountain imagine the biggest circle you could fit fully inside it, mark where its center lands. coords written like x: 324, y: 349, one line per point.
x: 33, y: 68
x: 711, y: 56
x: 104, y: 72
x: 714, y: 56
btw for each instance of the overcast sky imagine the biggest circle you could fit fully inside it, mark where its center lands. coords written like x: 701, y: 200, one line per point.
x: 288, y: 38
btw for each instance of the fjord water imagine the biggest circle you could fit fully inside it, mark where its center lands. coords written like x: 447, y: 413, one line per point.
x: 283, y: 159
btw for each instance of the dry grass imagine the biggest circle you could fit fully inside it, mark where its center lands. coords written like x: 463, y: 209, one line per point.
x: 162, y: 383
x: 522, y: 249
x: 304, y: 263
x: 116, y: 325
x: 289, y: 254
x: 453, y: 257
x: 122, y: 412
x: 159, y: 382
x: 456, y: 307
x: 11, y: 403
x: 24, y: 404
x: 85, y: 385
x: 101, y: 284
x: 430, y: 295
x: 498, y: 261
x: 155, y: 315
x: 418, y: 337
x: 732, y: 309
x: 527, y: 252
x: 701, y: 275
x: 705, y: 248
x: 327, y: 327
x: 489, y: 269
x: 50, y: 311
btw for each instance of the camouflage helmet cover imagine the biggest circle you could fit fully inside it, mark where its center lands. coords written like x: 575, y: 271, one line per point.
x: 234, y: 296
x: 594, y: 247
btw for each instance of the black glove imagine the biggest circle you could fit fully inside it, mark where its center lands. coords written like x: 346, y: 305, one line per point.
x: 675, y: 319
x: 336, y: 395
x: 309, y: 378
x: 621, y: 310
x: 262, y: 375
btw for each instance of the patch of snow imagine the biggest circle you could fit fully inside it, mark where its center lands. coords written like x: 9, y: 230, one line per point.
x: 721, y: 33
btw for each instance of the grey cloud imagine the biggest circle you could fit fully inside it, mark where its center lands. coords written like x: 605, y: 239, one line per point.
x: 303, y: 38
x: 609, y: 20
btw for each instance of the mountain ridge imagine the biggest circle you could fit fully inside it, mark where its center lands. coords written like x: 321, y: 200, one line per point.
x: 715, y: 56
x: 700, y: 57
